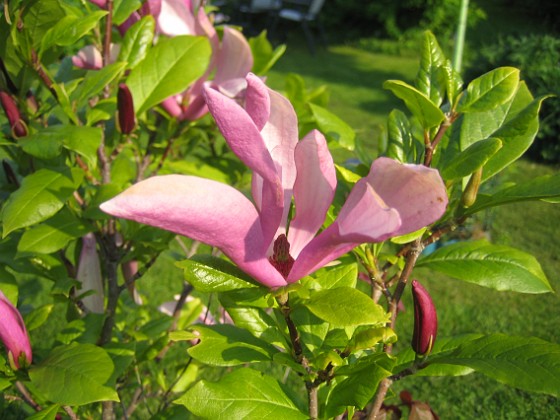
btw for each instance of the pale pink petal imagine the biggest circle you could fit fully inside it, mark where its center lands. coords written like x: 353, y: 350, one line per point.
x: 89, y: 275
x: 172, y: 107
x: 234, y: 59
x: 88, y: 58
x: 176, y: 18
x: 415, y: 191
x: 313, y: 190
x: 233, y: 88
x: 13, y: 333
x: 204, y: 210
x: 151, y: 7
x: 257, y: 100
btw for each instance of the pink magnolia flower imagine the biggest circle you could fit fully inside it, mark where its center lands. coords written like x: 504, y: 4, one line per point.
x: 90, y: 58
x: 394, y: 199
x: 14, y: 335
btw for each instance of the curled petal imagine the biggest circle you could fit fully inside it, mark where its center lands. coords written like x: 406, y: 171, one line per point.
x: 14, y: 334
x: 204, y: 210
x: 234, y: 59
x: 313, y: 190
x: 176, y: 18
x: 415, y: 191
x: 257, y: 101
x: 89, y: 58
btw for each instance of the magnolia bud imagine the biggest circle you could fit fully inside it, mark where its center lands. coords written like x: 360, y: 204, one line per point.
x: 19, y: 129
x: 14, y: 335
x: 471, y: 190
x: 125, y: 105
x: 89, y: 275
x: 425, y: 320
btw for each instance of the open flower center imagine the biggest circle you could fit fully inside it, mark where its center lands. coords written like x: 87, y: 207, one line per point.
x: 281, y: 258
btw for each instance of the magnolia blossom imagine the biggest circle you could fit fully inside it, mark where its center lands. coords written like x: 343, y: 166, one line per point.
x: 394, y: 199
x: 14, y: 335
x: 230, y: 62
x: 90, y: 58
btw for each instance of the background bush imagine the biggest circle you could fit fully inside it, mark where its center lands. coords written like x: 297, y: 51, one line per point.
x: 538, y: 57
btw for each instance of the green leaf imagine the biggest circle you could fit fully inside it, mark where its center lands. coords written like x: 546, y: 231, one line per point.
x: 498, y: 267
x: 258, y: 323
x: 38, y: 317
x: 212, y: 274
x: 346, y: 307
x: 241, y: 394
x: 75, y: 374
x: 227, y: 345
x: 137, y: 41
x: 70, y: 29
x: 366, y: 339
x: 341, y: 276
x: 490, y: 90
x: 360, y: 386
x: 402, y: 145
x: 527, y: 363
x: 333, y: 127
x: 52, y: 235
x: 96, y: 80
x: 48, y: 413
x: 516, y: 136
x: 420, y: 105
x: 39, y: 17
x: 123, y: 9
x: 428, y: 79
x: 540, y: 188
x: 264, y: 57
x: 169, y: 68
x: 469, y: 160
x: 40, y: 196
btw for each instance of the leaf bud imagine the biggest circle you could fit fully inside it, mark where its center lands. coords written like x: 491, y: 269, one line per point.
x: 425, y: 320
x: 471, y: 190
x: 125, y: 105
x: 18, y: 127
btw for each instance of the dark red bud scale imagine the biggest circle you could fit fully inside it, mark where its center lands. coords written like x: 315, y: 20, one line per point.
x: 125, y: 105
x: 18, y: 127
x: 425, y: 320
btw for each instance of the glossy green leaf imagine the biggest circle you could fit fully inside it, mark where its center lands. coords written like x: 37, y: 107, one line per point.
x: 211, y: 274
x: 169, y: 68
x: 137, y: 41
x: 264, y: 57
x: 38, y: 316
x: 366, y: 339
x: 68, y: 30
x: 241, y: 394
x: 8, y: 283
x: 123, y: 9
x: 228, y: 345
x: 527, y: 363
x: 345, y: 307
x: 74, y: 374
x: 96, y: 80
x: 498, y: 267
x: 333, y: 127
x: 540, y: 188
x: 341, y: 276
x: 516, y: 136
x: 402, y: 145
x: 429, y: 115
x: 52, y: 235
x: 469, y: 160
x: 46, y: 413
x: 40, y: 196
x: 258, y: 322
x: 39, y: 17
x: 360, y: 386
x: 490, y: 90
x: 428, y: 79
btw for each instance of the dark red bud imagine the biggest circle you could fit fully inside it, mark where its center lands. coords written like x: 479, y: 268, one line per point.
x: 19, y: 129
x: 127, y: 118
x: 425, y: 320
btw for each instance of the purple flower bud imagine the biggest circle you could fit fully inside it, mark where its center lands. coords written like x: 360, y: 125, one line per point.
x: 127, y: 118
x: 89, y: 275
x: 425, y: 320
x: 17, y: 125
x: 14, y: 335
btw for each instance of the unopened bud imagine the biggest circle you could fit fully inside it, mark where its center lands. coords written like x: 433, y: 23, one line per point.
x: 18, y: 127
x: 425, y: 320
x: 89, y: 275
x: 125, y: 105
x: 13, y: 335
x: 471, y: 190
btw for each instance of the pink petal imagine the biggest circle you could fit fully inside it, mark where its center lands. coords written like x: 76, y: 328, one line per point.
x: 176, y: 18
x: 313, y: 190
x: 89, y: 58
x: 13, y: 333
x: 204, y: 210
x: 415, y: 191
x: 257, y: 100
x: 89, y: 275
x: 172, y: 107
x: 234, y: 59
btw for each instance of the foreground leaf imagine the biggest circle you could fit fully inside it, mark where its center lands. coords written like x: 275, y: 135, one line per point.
x: 76, y: 374
x: 242, y: 394
x: 527, y: 363
x: 490, y: 90
x: 498, y: 267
